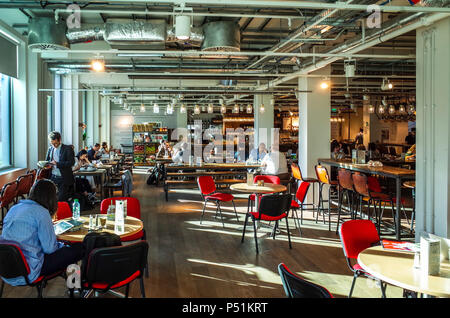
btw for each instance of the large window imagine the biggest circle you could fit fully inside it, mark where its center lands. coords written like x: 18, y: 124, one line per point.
x: 5, y: 121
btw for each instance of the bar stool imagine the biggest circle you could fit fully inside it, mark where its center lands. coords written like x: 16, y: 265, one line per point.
x: 298, y: 177
x: 361, y: 186
x: 324, y: 178
x: 345, y: 182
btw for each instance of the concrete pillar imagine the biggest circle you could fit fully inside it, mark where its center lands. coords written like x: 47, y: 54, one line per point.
x: 314, y: 122
x: 77, y: 114
x: 89, y: 119
x: 370, y: 122
x: 96, y: 118
x: 433, y: 129
x: 263, y: 124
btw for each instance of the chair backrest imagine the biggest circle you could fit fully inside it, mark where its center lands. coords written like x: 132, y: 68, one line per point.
x: 133, y: 206
x: 267, y: 179
x: 297, y: 287
x: 302, y: 190
x: 345, y: 179
x: 322, y: 174
x: 275, y: 204
x: 113, y: 265
x: 33, y: 172
x: 296, y: 172
x: 206, y: 184
x: 25, y: 182
x: 360, y: 184
x: 43, y: 174
x: 356, y: 236
x: 12, y: 261
x: 63, y: 211
x: 8, y: 193
x: 373, y: 184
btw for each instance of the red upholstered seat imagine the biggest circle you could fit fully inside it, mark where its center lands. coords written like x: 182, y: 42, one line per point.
x: 120, y: 284
x: 225, y: 197
x: 294, y: 204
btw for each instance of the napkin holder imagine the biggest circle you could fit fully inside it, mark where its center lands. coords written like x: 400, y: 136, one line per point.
x: 429, y: 256
x: 250, y: 177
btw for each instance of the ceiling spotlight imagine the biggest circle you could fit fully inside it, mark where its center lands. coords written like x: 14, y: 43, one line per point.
x: 236, y: 109
x: 210, y: 109
x: 325, y: 84
x: 98, y: 65
x: 262, y: 109
x: 223, y: 109
x: 182, y: 109
x: 183, y: 27
x: 249, y: 109
x: 142, y: 108
x: 196, y: 109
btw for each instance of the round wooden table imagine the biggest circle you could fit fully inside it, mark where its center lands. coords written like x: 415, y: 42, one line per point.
x: 396, y: 268
x: 256, y: 189
x: 132, y: 226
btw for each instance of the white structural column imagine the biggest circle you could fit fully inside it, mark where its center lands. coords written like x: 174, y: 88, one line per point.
x: 263, y: 124
x: 89, y: 119
x: 314, y: 123
x: 103, y: 119
x: 369, y: 123
x: 96, y: 118
x: 77, y: 115
x: 433, y: 129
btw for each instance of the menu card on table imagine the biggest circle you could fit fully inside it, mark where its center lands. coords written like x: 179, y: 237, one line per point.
x: 430, y: 255
x: 119, y: 222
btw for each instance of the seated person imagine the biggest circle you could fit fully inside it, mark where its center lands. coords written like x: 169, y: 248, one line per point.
x: 104, y: 149
x: 338, y: 152
x: 258, y: 154
x: 86, y: 184
x: 93, y: 153
x: 29, y: 223
x: 164, y: 149
x: 275, y: 163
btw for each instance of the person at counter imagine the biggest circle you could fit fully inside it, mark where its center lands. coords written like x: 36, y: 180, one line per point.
x: 411, y: 138
x: 359, y: 139
x: 411, y: 153
x: 374, y: 154
x: 337, y: 151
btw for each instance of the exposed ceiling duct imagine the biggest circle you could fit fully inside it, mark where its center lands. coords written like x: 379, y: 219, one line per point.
x: 221, y: 36
x: 45, y: 33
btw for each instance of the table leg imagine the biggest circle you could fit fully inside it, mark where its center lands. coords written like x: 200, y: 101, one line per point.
x: 397, y: 210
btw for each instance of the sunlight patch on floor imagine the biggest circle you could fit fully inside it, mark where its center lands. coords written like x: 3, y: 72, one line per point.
x: 239, y: 283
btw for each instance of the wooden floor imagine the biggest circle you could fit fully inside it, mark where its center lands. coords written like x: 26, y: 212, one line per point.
x: 189, y: 259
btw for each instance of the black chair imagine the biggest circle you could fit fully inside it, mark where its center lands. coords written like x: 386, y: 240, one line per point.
x: 272, y: 207
x: 14, y: 264
x: 109, y: 268
x: 297, y: 287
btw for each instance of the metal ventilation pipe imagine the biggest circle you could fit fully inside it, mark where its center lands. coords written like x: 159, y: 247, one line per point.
x: 221, y: 36
x: 45, y: 33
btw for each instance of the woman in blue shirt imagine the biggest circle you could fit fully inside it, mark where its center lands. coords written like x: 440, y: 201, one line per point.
x: 29, y: 223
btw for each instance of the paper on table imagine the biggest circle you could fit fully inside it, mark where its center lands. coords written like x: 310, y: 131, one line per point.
x: 400, y: 246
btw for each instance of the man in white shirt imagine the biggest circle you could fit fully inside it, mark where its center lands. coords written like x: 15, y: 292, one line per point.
x: 274, y: 163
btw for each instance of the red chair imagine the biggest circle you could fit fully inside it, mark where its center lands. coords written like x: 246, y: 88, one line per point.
x: 297, y: 287
x: 63, y: 211
x: 7, y: 196
x: 356, y: 236
x: 208, y: 191
x: 133, y: 210
x: 300, y: 197
x: 14, y: 264
x: 266, y: 179
x: 273, y: 207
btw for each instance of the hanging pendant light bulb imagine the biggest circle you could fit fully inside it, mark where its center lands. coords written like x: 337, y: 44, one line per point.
x: 142, y: 108
x: 401, y: 109
x: 391, y: 109
x: 196, y: 109
x: 155, y: 108
x: 169, y: 109
x: 381, y: 109
x: 236, y: 109
x: 371, y: 109
x: 262, y: 109
x: 223, y: 109
x: 249, y: 109
x: 210, y: 109
x: 182, y: 109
